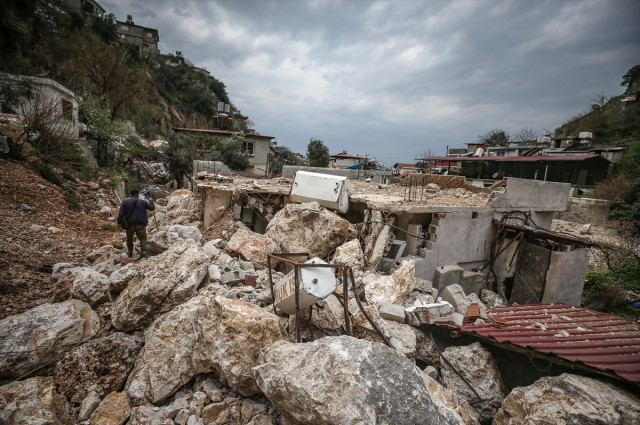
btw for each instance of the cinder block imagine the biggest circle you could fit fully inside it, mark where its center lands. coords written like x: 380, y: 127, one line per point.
x: 472, y: 282
x: 454, y: 295
x: 233, y: 276
x: 447, y: 275
x: 424, y: 286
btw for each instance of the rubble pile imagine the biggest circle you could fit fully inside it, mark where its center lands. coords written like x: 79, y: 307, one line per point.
x: 191, y: 336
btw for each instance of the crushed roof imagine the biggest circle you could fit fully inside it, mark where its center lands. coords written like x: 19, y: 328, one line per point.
x: 599, y: 340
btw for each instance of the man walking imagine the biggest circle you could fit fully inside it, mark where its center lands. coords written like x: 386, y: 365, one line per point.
x: 134, y: 210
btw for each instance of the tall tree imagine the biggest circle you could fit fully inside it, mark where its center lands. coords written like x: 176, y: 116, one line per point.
x: 631, y: 79
x: 494, y: 137
x: 317, y: 153
x: 103, y: 70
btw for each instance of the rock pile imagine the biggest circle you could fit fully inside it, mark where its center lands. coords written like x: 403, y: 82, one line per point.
x: 189, y: 336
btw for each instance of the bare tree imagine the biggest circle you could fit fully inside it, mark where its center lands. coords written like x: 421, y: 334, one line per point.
x: 494, y: 137
x: 601, y: 99
x: 47, y: 120
x: 525, y: 135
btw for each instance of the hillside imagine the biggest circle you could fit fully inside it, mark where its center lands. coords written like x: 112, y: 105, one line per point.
x: 83, y: 53
x: 614, y: 121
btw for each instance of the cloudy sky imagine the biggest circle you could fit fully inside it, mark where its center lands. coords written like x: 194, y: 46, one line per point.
x: 393, y: 79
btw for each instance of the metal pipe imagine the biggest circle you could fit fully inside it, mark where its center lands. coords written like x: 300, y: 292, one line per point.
x: 297, y: 281
x: 273, y: 295
x: 345, y: 302
x: 480, y: 399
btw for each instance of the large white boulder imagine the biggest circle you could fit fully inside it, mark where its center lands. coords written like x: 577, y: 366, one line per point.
x: 393, y: 289
x: 350, y: 254
x: 91, y: 287
x: 203, y: 335
x: 250, y: 245
x: 344, y: 380
x: 308, y: 228
x: 569, y: 399
x: 162, y: 240
x: 41, y: 335
x: 183, y: 207
x: 161, y: 283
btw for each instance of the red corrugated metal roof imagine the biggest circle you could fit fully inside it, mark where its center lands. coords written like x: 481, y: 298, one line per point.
x: 513, y: 158
x: 600, y: 340
x: 226, y: 132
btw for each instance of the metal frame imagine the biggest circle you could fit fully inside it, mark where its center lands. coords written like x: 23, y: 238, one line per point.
x: 347, y: 273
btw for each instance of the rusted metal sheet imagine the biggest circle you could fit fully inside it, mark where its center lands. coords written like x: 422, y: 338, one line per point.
x: 531, y: 273
x: 599, y: 340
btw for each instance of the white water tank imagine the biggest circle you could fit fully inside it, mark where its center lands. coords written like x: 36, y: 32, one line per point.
x: 585, y: 135
x: 316, y: 283
x: 329, y: 191
x: 479, y: 152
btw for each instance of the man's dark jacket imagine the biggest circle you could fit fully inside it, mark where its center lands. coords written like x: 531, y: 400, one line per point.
x: 135, y: 210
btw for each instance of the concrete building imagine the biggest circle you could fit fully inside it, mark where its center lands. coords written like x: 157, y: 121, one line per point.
x: 345, y: 160
x: 489, y: 237
x: 55, y: 103
x: 575, y: 169
x: 257, y: 146
x: 403, y: 169
x: 145, y: 39
x: 86, y: 6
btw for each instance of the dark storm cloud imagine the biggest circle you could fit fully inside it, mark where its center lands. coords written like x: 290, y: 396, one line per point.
x: 393, y: 78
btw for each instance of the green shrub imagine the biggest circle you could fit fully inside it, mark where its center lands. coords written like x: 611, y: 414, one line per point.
x: 71, y: 198
x: 148, y: 119
x: 47, y: 174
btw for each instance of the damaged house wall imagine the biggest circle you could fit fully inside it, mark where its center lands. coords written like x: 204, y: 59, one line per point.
x: 456, y: 235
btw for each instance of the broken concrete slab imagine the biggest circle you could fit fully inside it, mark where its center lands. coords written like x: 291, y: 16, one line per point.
x: 230, y: 277
x: 447, y: 275
x: 428, y: 313
x: 454, y: 295
x: 472, y: 282
x: 376, y: 378
x: 392, y: 312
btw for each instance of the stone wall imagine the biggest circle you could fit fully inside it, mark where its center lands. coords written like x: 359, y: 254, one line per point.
x: 586, y: 211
